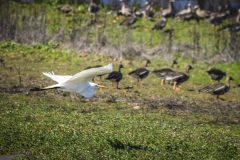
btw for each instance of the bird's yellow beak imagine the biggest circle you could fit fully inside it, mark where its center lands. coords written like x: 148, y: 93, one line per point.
x: 100, y: 86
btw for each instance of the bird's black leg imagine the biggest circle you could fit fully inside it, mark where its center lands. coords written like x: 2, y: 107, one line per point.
x: 117, y: 86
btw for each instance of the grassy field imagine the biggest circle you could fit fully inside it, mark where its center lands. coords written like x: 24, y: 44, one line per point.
x: 148, y: 122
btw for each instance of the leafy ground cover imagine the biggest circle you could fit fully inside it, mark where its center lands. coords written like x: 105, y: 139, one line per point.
x: 133, y: 122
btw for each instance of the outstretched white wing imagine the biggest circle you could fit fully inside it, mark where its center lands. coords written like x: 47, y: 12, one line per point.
x: 57, y: 78
x: 88, y: 74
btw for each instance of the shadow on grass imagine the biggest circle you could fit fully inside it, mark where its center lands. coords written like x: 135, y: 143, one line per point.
x: 117, y: 144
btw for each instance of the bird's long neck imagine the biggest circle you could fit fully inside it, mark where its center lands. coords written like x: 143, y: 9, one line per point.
x: 198, y: 10
x: 172, y: 65
x: 133, y: 14
x: 187, y: 71
x: 148, y: 7
x: 219, y: 10
x: 238, y: 17
x: 170, y: 5
x: 162, y: 18
x: 189, y: 8
x: 146, y: 65
x: 124, y: 4
x: 119, y: 69
x: 227, y: 82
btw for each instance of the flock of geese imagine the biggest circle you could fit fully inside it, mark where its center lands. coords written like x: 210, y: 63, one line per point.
x: 173, y: 77
x: 147, y: 11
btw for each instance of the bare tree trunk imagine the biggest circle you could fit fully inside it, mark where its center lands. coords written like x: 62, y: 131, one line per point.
x: 4, y: 19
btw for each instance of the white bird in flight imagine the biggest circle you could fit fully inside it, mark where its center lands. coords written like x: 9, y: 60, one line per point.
x: 78, y: 83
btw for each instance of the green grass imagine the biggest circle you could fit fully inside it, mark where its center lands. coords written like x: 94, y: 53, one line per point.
x: 59, y: 125
x: 168, y: 125
x: 50, y: 130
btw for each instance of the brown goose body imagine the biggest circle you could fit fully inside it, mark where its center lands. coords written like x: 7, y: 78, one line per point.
x: 140, y: 73
x: 234, y: 27
x: 201, y: 13
x: 160, y: 24
x: 128, y: 21
x: 216, y: 18
x: 93, y: 9
x: 161, y: 73
x: 178, y: 77
x: 218, y: 89
x: 184, y: 11
x: 115, y: 76
x: 189, y: 16
x: 125, y: 10
x: 168, y: 11
x: 149, y: 12
x: 215, y: 74
x: 225, y: 12
x: 142, y: 10
x: 66, y: 9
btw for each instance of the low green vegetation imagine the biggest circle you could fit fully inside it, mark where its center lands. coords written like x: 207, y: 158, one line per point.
x: 133, y: 122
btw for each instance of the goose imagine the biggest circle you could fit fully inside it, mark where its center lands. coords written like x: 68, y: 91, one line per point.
x: 216, y: 13
x: 115, y: 10
x: 140, y: 73
x: 178, y: 77
x: 215, y: 74
x: 234, y: 27
x: 225, y: 12
x: 168, y: 11
x: 125, y: 10
x: 93, y: 9
x: 216, y: 18
x: 141, y: 11
x: 218, y: 89
x: 161, y: 23
x: 149, y: 12
x: 201, y: 13
x: 184, y: 11
x: 164, y: 71
x: 66, y: 9
x: 115, y: 76
x: 128, y: 21
x: 189, y: 16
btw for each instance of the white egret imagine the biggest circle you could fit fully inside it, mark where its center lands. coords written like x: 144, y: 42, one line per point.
x: 78, y: 83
